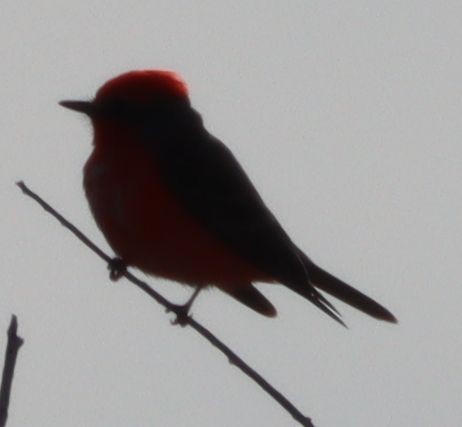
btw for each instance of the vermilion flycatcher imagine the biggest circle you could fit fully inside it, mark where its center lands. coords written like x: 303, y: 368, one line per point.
x: 172, y: 200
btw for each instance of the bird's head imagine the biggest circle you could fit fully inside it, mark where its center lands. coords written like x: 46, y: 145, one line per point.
x: 133, y: 96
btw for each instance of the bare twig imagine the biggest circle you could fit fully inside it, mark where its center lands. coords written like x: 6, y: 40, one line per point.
x: 232, y: 357
x: 12, y: 348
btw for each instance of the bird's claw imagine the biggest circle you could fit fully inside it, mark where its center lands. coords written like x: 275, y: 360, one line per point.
x: 181, y: 313
x: 117, y: 268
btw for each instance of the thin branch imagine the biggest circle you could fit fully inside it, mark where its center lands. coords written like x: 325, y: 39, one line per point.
x: 12, y: 348
x: 232, y: 357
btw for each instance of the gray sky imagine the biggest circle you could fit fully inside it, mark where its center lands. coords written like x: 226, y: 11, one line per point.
x: 346, y: 115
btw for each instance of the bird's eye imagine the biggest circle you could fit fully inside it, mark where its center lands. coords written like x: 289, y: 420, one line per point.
x: 117, y: 109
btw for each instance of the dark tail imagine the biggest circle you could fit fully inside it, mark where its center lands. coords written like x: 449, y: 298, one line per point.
x: 252, y: 298
x: 344, y: 292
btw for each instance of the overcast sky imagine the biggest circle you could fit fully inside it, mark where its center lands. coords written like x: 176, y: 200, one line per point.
x: 347, y: 117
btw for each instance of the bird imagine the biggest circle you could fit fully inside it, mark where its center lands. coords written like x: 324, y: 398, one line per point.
x: 173, y: 201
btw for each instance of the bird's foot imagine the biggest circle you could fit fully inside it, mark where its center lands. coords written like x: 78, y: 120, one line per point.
x: 117, y: 268
x: 181, y: 313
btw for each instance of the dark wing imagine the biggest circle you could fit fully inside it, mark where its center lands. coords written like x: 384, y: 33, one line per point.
x: 209, y: 181
x: 213, y: 187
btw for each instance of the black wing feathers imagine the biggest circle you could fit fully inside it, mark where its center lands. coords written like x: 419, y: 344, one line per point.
x: 209, y: 181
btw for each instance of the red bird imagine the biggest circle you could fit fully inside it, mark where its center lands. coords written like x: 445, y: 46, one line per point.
x: 172, y: 200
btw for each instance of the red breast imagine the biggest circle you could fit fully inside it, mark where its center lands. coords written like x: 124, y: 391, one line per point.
x: 146, y: 225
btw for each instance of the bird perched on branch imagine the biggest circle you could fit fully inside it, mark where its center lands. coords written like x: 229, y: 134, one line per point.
x: 172, y: 200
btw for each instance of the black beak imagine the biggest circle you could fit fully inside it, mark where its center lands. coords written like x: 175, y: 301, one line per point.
x: 85, y: 107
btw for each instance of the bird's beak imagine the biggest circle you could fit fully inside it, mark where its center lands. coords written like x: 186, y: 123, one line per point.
x: 86, y: 107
